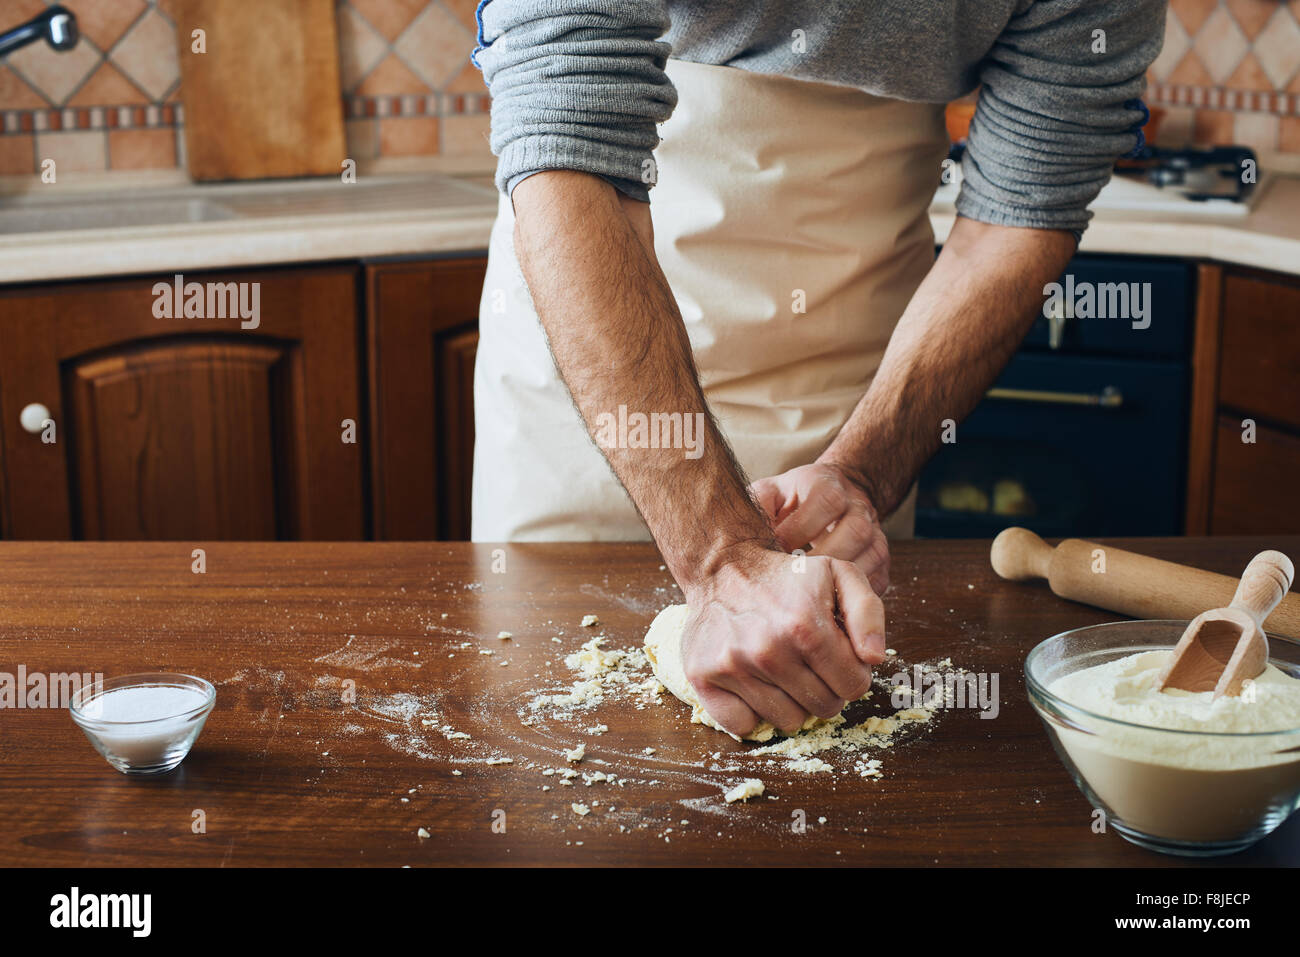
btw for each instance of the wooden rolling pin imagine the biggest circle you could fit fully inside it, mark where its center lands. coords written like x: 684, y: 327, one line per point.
x: 1132, y: 584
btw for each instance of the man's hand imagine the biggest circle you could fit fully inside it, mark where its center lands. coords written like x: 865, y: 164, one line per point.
x: 771, y: 640
x: 823, y: 505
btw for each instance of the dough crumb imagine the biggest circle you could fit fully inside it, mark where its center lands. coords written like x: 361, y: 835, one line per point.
x: 750, y: 787
x: 590, y: 621
x: 500, y: 760
x: 869, y: 768
x: 503, y: 635
x: 580, y: 809
x: 576, y: 754
x: 422, y: 834
x: 810, y: 765
x: 601, y: 673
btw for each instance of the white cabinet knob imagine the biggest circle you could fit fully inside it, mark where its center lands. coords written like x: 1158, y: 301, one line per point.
x: 33, y: 417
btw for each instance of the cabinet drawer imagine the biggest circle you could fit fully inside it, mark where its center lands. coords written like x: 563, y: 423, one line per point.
x: 1254, y: 484
x: 1259, y: 357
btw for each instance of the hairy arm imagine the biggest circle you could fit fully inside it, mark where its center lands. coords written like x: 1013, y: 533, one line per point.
x: 762, y: 642
x: 618, y: 339
x: 959, y: 330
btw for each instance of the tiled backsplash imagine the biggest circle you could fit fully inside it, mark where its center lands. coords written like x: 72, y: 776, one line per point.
x: 1230, y: 72
x: 113, y: 101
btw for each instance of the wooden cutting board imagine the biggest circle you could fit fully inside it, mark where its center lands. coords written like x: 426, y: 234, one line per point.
x: 263, y: 101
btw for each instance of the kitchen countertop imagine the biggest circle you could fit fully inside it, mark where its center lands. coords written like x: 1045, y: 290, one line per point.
x: 287, y: 772
x: 428, y: 214
x: 241, y: 224
x: 1268, y: 237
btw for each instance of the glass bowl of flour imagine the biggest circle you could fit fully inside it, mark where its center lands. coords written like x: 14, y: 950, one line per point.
x: 1173, y: 771
x: 145, y: 723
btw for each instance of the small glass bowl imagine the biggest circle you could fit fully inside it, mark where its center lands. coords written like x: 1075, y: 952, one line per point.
x: 1212, y: 793
x: 151, y: 746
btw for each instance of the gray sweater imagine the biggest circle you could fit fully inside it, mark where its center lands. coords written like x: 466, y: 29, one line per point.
x: 580, y: 84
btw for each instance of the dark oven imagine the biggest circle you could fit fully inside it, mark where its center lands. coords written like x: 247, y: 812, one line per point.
x: 1085, y: 431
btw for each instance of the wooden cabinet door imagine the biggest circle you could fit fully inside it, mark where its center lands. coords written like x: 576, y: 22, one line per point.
x: 1255, y: 482
x: 1259, y: 359
x: 1246, y: 367
x: 423, y: 332
x: 185, y: 428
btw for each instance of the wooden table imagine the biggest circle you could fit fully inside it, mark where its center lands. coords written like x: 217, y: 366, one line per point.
x: 290, y: 772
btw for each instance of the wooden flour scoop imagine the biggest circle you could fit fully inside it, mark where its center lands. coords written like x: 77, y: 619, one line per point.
x: 1223, y: 648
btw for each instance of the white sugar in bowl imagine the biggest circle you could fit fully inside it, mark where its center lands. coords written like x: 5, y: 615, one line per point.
x: 144, y: 723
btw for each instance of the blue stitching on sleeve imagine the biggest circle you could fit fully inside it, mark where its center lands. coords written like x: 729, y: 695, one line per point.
x: 478, y: 36
x: 1136, y: 104
x: 1128, y: 105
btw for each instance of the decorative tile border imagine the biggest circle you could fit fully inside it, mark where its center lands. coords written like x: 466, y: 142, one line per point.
x: 13, y: 122
x: 432, y: 104
x: 1220, y: 98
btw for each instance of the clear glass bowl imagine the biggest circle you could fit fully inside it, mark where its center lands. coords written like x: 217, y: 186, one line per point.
x: 146, y: 745
x: 1193, y: 793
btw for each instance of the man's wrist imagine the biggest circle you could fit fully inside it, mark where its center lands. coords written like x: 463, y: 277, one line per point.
x: 698, y: 578
x: 859, y: 477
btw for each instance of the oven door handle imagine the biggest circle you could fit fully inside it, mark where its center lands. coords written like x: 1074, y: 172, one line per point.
x: 1108, y: 398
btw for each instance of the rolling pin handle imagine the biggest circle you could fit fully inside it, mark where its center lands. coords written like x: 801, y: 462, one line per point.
x: 1019, y: 555
x: 1265, y: 582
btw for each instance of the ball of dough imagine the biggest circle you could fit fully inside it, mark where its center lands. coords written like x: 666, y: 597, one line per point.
x: 663, y: 646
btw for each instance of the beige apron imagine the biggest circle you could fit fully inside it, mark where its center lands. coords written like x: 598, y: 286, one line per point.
x: 791, y: 219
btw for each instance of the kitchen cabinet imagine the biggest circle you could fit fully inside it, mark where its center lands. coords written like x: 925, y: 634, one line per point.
x: 197, y: 428
x: 1245, y: 424
x: 422, y: 335
x: 207, y: 427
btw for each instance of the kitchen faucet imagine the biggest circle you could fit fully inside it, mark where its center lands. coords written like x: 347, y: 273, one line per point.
x: 57, y: 26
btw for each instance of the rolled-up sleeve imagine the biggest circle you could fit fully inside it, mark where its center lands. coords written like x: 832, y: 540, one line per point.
x: 1055, y: 110
x: 575, y: 84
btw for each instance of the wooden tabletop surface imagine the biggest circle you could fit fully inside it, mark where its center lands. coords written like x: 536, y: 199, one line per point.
x: 339, y: 668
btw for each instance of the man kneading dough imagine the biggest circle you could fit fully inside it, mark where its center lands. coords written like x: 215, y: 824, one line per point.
x: 777, y: 311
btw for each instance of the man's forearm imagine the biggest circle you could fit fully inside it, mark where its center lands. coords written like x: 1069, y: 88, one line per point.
x: 618, y: 339
x: 961, y: 327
